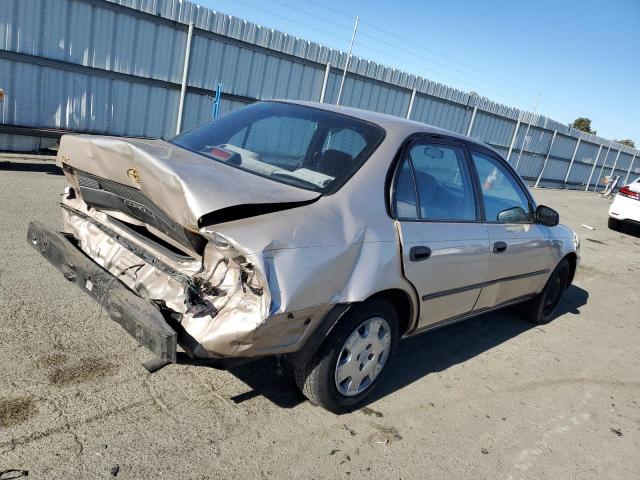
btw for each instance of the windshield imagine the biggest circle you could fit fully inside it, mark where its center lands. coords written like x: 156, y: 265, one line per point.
x: 306, y: 147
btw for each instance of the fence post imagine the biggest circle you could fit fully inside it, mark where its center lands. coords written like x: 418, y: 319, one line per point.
x: 525, y: 143
x: 185, y: 72
x: 604, y: 162
x: 595, y: 162
x: 626, y: 179
x: 473, y: 119
x: 553, y: 139
x: 615, y: 164
x: 513, y: 140
x: 346, y: 63
x: 573, y: 157
x: 413, y: 97
x: 327, y: 70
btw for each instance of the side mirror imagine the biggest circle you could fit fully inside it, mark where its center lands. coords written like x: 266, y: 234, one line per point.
x: 513, y: 215
x: 547, y: 216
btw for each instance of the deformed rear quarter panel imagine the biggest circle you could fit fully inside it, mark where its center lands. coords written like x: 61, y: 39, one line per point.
x: 342, y: 249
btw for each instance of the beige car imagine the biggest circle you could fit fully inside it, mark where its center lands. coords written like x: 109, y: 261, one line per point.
x: 318, y: 234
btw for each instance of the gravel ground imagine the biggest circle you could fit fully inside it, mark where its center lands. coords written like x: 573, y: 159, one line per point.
x: 493, y: 397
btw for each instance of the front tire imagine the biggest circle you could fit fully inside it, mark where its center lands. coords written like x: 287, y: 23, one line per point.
x: 614, y: 224
x: 353, y: 359
x: 542, y: 307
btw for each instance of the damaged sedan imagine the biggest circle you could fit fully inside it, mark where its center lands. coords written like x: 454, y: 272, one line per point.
x: 320, y: 235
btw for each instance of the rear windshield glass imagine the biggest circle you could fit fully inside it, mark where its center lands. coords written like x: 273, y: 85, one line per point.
x: 302, y: 146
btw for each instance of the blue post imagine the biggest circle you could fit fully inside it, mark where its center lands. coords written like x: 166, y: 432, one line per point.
x: 216, y: 101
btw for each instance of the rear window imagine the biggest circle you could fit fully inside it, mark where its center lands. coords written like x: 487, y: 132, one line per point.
x: 302, y: 146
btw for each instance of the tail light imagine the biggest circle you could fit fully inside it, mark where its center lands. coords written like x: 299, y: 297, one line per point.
x: 627, y: 192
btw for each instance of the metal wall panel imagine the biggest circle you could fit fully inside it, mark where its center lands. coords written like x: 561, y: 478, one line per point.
x: 115, y: 66
x: 19, y: 143
x: 494, y: 130
x: 528, y: 165
x: 563, y: 146
x: 443, y: 114
x: 624, y: 161
x: 587, y: 152
x: 46, y: 97
x: 579, y: 174
x: 537, y: 140
x: 374, y: 96
x: 555, y: 170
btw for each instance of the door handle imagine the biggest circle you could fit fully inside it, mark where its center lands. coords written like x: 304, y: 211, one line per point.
x: 499, y: 247
x: 417, y: 254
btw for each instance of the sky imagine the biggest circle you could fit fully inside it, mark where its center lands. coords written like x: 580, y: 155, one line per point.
x: 564, y: 59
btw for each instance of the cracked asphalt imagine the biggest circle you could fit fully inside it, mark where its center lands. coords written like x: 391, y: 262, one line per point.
x: 494, y: 397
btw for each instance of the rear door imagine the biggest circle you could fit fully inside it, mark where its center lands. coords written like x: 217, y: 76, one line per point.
x: 445, y: 245
x: 520, y: 249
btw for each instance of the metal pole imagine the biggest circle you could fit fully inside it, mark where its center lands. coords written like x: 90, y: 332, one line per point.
x: 473, y: 119
x: 327, y: 70
x: 346, y: 63
x: 185, y: 71
x: 626, y: 179
x: 524, y: 140
x: 413, y: 97
x: 573, y: 157
x: 513, y: 140
x: 606, y: 157
x: 553, y: 139
x: 595, y: 162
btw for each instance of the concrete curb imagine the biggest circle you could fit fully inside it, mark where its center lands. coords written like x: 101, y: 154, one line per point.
x: 21, y: 156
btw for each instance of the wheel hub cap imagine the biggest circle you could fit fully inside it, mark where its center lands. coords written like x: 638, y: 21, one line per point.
x: 363, y: 356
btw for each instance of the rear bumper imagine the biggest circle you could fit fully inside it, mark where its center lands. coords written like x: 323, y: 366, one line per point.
x: 625, y: 209
x: 140, y: 318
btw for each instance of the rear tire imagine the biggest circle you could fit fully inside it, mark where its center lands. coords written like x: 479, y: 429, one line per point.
x: 350, y: 344
x: 614, y: 224
x: 541, y: 308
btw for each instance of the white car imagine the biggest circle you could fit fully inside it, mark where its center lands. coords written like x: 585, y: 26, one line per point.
x: 626, y: 206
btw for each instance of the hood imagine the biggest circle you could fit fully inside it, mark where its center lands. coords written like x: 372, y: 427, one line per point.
x: 191, y: 189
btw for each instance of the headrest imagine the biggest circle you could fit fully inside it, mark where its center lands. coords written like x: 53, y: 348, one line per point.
x: 334, y: 162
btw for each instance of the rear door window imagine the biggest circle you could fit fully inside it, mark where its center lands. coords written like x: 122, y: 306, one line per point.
x: 442, y: 185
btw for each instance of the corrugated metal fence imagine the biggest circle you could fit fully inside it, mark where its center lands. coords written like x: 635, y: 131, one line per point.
x: 115, y: 67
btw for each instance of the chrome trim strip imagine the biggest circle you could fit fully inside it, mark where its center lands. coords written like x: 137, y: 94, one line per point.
x: 431, y: 296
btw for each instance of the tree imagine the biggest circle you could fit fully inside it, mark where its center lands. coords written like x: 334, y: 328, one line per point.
x: 583, y: 124
x: 627, y: 142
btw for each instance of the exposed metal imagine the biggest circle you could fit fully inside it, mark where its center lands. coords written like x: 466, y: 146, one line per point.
x: 116, y: 67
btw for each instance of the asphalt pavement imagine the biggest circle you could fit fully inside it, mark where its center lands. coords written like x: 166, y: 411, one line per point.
x: 493, y: 397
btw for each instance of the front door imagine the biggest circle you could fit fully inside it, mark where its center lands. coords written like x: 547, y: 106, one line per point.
x: 445, y: 246
x: 520, y: 249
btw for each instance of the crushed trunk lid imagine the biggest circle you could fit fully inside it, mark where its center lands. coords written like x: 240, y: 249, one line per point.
x: 192, y: 190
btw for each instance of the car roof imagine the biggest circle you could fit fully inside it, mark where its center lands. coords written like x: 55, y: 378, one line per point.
x: 385, y: 120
